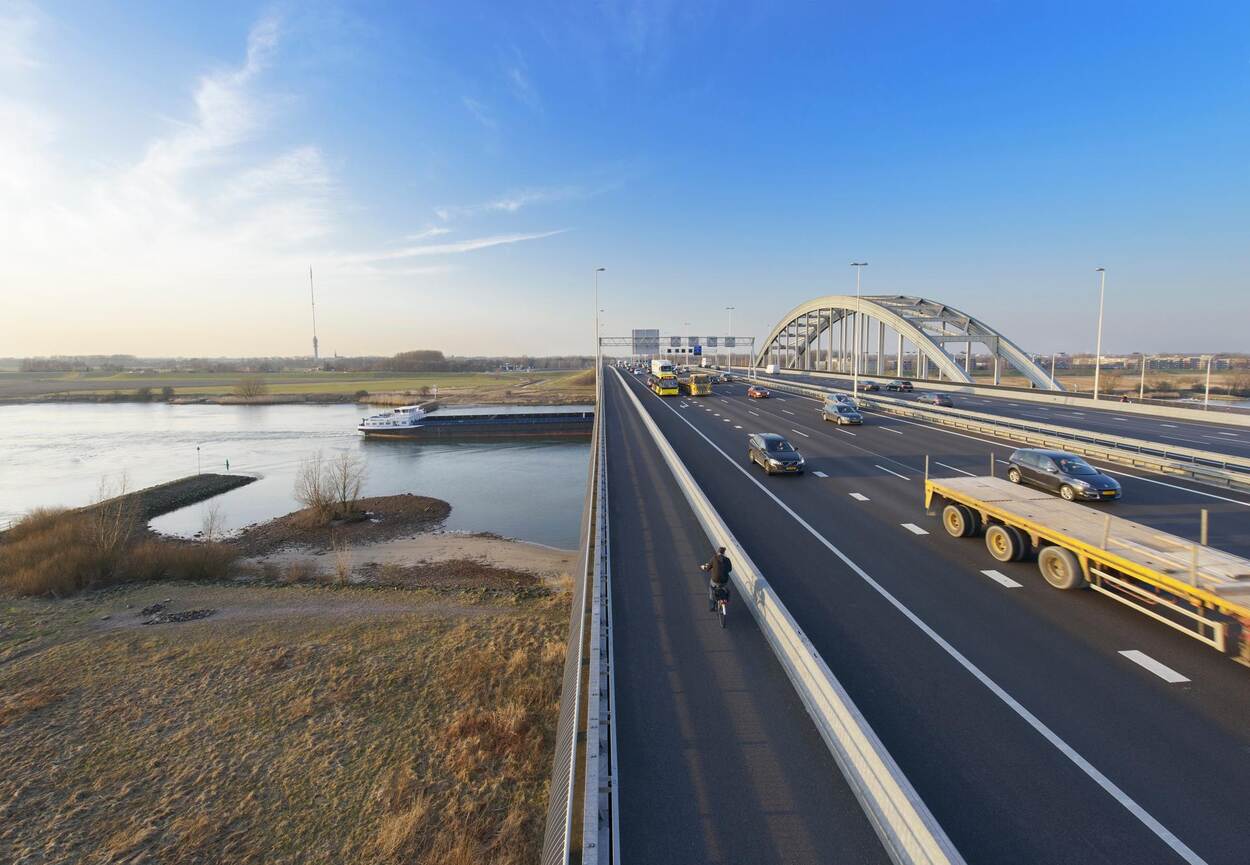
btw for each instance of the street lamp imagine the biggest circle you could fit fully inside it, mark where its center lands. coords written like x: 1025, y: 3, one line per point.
x: 1102, y: 285
x: 598, y: 270
x: 1206, y: 400
x: 729, y: 348
x: 859, y: 270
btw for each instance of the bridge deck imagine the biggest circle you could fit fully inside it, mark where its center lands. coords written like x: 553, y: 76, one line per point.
x: 719, y: 761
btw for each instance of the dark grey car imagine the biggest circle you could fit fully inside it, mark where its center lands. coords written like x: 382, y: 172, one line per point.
x: 1061, y: 472
x: 935, y: 399
x: 774, y: 453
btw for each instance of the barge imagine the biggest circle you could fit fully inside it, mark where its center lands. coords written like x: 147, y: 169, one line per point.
x: 432, y: 421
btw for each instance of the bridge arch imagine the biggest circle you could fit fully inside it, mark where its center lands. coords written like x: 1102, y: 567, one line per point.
x: 928, y: 325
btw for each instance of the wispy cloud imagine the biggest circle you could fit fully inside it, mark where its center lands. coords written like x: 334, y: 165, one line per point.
x: 514, y: 201
x: 427, y: 233
x: 516, y: 73
x: 454, y: 248
x: 18, y: 22
x: 479, y: 112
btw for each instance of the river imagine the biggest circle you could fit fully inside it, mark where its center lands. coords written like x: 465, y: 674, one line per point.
x: 59, y: 454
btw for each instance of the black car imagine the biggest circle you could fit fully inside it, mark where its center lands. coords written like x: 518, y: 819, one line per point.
x: 935, y: 399
x: 1064, y: 473
x: 868, y: 386
x: 774, y: 453
x: 899, y: 384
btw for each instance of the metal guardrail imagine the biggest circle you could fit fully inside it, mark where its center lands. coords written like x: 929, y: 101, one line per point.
x: 1207, y: 467
x: 907, y: 829
x: 559, y: 842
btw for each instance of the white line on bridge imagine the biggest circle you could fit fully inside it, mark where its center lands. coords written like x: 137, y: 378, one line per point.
x: 820, y: 474
x: 896, y: 474
x: 1226, y: 434
x: 787, y: 411
x: 757, y: 414
x: 890, y: 429
x: 737, y: 426
x: 1002, y: 579
x: 1163, y: 671
x: 1168, y: 425
x: 859, y: 497
x: 805, y: 435
x: 844, y: 431
x: 952, y: 468
x: 912, y: 527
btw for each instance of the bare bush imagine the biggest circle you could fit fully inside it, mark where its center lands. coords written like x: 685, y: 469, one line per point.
x: 342, y: 562
x: 212, y: 523
x: 251, y: 386
x: 330, y: 489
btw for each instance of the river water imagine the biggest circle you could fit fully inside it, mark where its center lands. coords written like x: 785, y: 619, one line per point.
x: 60, y: 454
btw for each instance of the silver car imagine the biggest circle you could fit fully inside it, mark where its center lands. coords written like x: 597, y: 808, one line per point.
x: 840, y: 412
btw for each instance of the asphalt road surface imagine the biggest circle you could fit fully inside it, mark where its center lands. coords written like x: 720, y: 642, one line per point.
x: 718, y: 760
x: 1200, y: 435
x: 1038, y: 725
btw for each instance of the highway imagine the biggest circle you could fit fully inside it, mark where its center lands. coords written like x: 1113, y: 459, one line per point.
x: 718, y: 760
x: 1203, y: 435
x: 1009, y: 705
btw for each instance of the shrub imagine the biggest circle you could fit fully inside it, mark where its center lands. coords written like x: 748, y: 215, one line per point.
x: 167, y: 393
x: 361, y: 394
x: 144, y: 394
x: 251, y: 386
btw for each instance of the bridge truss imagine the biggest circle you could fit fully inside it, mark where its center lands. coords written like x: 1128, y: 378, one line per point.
x: 820, y: 335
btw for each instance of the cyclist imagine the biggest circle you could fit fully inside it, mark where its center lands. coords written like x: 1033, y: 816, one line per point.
x: 718, y: 567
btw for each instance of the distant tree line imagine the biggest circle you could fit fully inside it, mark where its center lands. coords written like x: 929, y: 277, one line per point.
x: 420, y: 360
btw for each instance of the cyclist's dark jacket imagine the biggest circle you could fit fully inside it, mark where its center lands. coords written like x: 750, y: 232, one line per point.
x: 718, y: 568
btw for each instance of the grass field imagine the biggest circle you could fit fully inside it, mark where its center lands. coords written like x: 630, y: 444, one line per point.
x: 485, y: 386
x: 298, y: 724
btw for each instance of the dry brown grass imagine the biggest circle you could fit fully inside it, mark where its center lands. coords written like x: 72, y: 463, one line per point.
x: 300, y: 724
x: 59, y: 552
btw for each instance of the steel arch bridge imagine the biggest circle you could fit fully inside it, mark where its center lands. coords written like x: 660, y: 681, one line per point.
x: 821, y: 335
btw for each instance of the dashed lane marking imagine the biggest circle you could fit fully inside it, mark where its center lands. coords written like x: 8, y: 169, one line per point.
x: 952, y: 468
x: 787, y: 411
x: 859, y: 497
x: 844, y: 431
x: 1163, y: 671
x: 820, y: 474
x: 757, y: 414
x: 890, y: 429
x: 896, y: 474
x: 1002, y: 579
x: 737, y: 426
x: 912, y: 527
x: 800, y: 432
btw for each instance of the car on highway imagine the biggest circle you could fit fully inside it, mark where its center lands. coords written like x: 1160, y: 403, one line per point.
x: 935, y: 399
x: 726, y: 377
x: 899, y: 385
x: 868, y: 386
x: 1061, y: 472
x: 757, y: 392
x: 844, y: 397
x: 840, y: 412
x: 774, y: 454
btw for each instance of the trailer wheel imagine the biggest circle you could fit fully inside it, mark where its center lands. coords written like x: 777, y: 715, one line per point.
x: 1005, y: 543
x: 1060, y: 568
x: 957, y: 520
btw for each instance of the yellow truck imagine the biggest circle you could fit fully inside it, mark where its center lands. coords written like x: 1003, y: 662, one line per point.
x: 696, y: 384
x: 1200, y: 591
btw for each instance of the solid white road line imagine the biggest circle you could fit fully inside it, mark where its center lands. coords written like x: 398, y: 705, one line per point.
x: 820, y: 474
x: 1002, y: 579
x: 800, y: 432
x: 888, y: 471
x: 952, y: 468
x: 1059, y: 744
x: 859, y: 497
x: 912, y: 527
x: 1163, y: 671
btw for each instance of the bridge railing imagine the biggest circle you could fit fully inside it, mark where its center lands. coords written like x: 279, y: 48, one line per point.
x: 581, y: 813
x: 1206, y: 466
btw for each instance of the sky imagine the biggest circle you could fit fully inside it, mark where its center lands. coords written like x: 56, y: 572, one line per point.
x: 454, y: 172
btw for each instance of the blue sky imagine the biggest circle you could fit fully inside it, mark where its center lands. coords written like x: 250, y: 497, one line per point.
x: 454, y: 171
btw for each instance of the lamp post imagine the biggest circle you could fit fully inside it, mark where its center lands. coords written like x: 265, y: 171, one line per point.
x: 1102, y: 285
x: 859, y: 270
x: 598, y: 270
x: 1141, y: 390
x: 1206, y: 401
x: 729, y: 348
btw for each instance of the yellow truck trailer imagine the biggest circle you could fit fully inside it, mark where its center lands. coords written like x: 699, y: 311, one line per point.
x: 696, y: 384
x: 1199, y: 591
